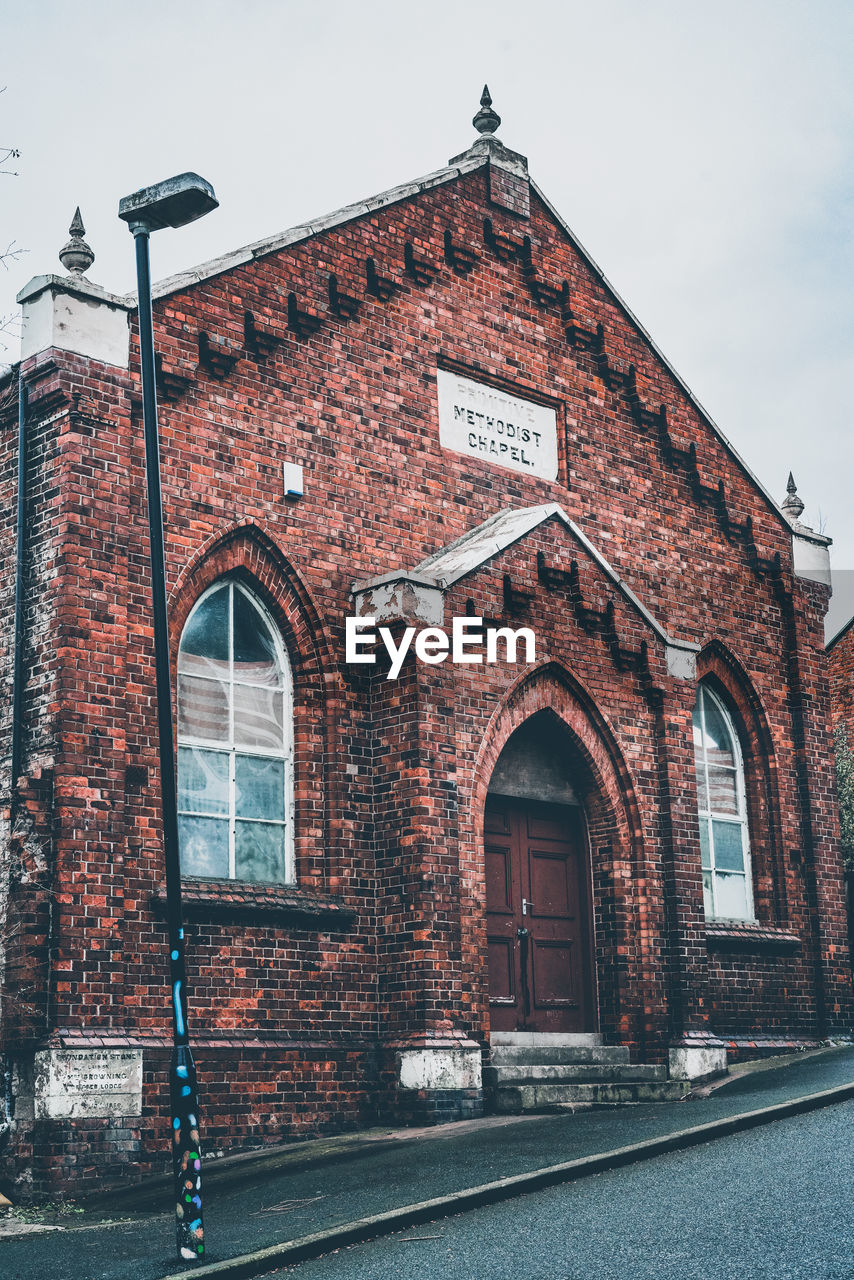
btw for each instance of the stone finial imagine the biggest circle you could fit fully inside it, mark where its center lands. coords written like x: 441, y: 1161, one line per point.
x: 486, y: 120
x: 76, y: 256
x: 792, y: 504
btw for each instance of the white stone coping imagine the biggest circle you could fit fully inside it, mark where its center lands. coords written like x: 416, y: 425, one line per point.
x: 809, y: 535
x: 811, y: 556
x: 499, y: 156
x: 72, y: 314
x: 467, y: 553
x: 306, y: 230
x: 78, y: 286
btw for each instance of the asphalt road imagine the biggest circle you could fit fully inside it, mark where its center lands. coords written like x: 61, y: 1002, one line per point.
x: 775, y: 1203
x: 316, y: 1187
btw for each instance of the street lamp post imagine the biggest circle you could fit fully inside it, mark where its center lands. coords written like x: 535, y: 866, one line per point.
x: 173, y: 203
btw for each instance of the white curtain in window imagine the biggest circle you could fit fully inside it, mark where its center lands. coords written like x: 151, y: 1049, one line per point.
x: 235, y: 741
x: 724, y: 841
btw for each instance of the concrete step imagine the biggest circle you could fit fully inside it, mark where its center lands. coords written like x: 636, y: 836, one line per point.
x: 512, y: 1099
x: 571, y: 1072
x: 514, y: 1055
x: 548, y: 1039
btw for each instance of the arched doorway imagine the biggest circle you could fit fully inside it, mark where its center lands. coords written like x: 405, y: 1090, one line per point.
x: 538, y: 899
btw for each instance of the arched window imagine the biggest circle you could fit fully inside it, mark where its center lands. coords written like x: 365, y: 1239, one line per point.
x: 235, y: 735
x: 724, y: 837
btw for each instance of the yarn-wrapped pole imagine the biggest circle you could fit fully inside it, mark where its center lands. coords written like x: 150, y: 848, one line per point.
x: 183, y: 1087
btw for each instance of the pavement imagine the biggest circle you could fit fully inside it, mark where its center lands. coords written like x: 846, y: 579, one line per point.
x: 770, y: 1204
x: 302, y: 1200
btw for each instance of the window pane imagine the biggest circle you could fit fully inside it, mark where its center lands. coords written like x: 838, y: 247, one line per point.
x: 702, y: 793
x: 718, y: 740
x: 708, y: 903
x: 202, y: 780
x: 259, y: 851
x: 729, y: 846
x: 698, y: 729
x: 204, y: 644
x: 204, y: 846
x: 731, y: 897
x: 202, y: 709
x: 705, y: 856
x: 254, y: 650
x: 232, y: 691
x: 258, y: 717
x: 723, y: 797
x: 260, y: 788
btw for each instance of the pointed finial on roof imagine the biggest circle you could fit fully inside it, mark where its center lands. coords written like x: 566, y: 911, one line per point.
x: 486, y: 120
x: 792, y: 504
x: 76, y: 256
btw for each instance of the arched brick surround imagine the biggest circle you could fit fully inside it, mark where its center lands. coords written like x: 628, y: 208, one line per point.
x: 248, y: 553
x: 626, y: 923
x: 719, y: 667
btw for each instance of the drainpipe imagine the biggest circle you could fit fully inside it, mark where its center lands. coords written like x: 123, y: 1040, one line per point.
x: 18, y: 667
x: 17, y: 694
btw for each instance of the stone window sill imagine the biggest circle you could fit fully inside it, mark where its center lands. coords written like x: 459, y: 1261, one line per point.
x: 750, y: 935
x: 265, y: 903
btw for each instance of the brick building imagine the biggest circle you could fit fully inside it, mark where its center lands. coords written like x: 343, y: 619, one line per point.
x: 840, y: 650
x: 424, y: 408
x: 840, y: 653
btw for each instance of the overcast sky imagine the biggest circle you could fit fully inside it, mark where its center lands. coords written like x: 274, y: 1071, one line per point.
x: 704, y: 154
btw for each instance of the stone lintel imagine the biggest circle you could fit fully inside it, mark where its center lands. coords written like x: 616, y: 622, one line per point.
x: 396, y: 596
x: 681, y: 660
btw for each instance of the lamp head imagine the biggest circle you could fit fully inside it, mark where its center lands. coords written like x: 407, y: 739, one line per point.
x: 172, y: 203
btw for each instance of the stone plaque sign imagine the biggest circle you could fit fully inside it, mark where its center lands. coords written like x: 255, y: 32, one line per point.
x: 88, y: 1082
x: 482, y: 422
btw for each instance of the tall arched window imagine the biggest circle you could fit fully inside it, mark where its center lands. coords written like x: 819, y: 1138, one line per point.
x: 724, y: 837
x: 235, y: 736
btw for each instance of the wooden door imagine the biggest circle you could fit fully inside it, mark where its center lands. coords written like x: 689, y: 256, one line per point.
x: 537, y: 917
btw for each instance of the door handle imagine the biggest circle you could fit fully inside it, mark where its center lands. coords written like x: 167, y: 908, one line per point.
x: 526, y: 902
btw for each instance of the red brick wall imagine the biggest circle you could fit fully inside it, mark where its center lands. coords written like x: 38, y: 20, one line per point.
x: 383, y: 941
x: 841, y: 672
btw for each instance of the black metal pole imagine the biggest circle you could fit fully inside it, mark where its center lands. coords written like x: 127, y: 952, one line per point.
x: 184, y: 1116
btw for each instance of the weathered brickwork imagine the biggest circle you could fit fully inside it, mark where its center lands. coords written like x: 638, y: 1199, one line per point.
x: 840, y: 653
x: 841, y: 671
x: 303, y: 998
